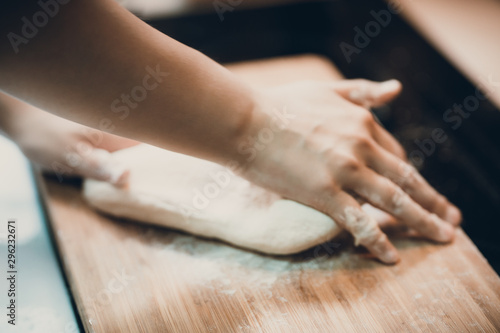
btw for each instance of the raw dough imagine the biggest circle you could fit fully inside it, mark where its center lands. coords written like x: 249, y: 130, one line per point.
x: 206, y: 199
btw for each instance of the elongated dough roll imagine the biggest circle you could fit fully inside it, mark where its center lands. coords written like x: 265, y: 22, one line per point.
x: 205, y: 199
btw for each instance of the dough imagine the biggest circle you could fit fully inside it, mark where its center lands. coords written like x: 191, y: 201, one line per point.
x: 206, y: 199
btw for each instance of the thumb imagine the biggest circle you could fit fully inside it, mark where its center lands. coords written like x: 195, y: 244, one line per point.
x: 368, y: 93
x: 99, y: 164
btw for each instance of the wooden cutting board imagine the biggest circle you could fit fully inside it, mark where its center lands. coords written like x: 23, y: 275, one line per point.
x: 129, y: 277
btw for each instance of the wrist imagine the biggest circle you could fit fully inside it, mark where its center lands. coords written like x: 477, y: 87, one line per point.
x: 264, y: 124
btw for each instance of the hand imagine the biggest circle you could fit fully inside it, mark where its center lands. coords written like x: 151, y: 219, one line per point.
x: 63, y: 147
x: 333, y: 152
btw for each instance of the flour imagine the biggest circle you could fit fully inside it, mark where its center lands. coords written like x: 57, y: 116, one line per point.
x: 225, y: 268
x: 361, y: 225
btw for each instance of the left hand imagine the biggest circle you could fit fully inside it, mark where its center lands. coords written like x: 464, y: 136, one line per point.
x: 63, y: 147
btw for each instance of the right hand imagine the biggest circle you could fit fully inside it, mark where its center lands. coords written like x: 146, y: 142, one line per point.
x: 333, y: 153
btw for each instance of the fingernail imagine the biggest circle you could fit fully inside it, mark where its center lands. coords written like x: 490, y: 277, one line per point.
x: 388, y: 86
x: 123, y: 179
x: 446, y: 233
x: 390, y: 257
x: 453, y: 215
x: 118, y: 175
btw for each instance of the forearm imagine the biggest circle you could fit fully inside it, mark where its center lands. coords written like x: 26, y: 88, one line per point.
x: 10, y: 115
x: 99, y: 65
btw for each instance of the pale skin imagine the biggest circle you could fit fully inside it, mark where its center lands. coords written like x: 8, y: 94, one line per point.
x: 60, y: 146
x: 332, y: 155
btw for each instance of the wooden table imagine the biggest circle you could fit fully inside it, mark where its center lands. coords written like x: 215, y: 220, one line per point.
x: 128, y: 277
x: 466, y: 33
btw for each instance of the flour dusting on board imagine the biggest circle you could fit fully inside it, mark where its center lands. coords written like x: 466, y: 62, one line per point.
x: 223, y: 267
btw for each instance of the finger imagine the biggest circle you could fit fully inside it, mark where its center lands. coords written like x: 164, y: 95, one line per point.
x: 348, y: 214
x: 388, y: 142
x: 368, y: 93
x: 113, y: 142
x: 99, y: 164
x: 382, y: 218
x: 384, y: 194
x: 410, y: 180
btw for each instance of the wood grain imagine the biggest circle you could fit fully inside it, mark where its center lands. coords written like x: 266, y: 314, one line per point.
x: 128, y: 277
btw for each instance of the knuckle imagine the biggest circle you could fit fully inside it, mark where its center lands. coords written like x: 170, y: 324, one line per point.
x: 439, y: 202
x: 371, y: 237
x: 410, y: 182
x: 426, y: 222
x: 362, y: 227
x: 408, y: 177
x: 319, y: 128
x: 396, y: 200
x: 404, y: 169
x: 366, y: 118
x: 349, y: 164
x: 325, y: 186
x: 363, y: 143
